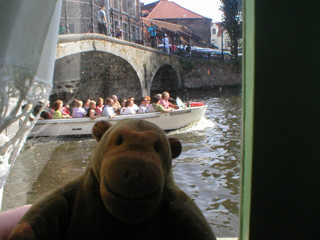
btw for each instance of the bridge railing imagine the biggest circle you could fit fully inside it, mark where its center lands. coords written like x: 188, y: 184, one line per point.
x: 96, y: 36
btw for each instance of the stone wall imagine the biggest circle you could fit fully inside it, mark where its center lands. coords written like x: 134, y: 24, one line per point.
x: 93, y: 66
x: 94, y: 75
x: 80, y: 14
x: 209, y: 73
x: 98, y: 74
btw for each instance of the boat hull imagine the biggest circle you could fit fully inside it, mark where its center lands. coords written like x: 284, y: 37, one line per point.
x: 83, y: 126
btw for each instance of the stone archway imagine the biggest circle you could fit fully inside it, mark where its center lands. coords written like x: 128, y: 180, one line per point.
x: 166, y: 79
x: 92, y: 75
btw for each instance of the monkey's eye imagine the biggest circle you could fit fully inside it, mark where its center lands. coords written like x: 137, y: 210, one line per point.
x: 119, y: 141
x: 156, y: 146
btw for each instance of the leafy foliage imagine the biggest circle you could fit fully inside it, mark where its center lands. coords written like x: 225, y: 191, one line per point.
x: 232, y: 23
x: 187, y: 64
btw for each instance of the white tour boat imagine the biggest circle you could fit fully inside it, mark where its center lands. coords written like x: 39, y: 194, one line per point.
x: 81, y: 126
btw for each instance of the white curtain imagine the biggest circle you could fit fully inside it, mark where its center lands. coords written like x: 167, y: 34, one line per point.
x: 29, y: 34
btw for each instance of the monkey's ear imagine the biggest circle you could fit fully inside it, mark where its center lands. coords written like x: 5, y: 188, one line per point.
x: 176, y: 147
x: 99, y: 129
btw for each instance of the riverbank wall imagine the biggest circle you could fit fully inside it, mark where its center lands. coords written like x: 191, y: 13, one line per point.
x: 210, y: 73
x: 87, y: 76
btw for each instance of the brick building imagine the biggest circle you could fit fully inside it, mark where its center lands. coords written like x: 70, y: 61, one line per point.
x: 80, y: 16
x: 180, y: 24
x: 168, y: 11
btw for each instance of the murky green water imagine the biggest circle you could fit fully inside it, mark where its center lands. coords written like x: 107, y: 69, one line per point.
x: 207, y: 170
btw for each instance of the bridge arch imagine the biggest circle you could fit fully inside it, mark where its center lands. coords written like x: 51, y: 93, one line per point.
x: 166, y: 78
x: 94, y: 74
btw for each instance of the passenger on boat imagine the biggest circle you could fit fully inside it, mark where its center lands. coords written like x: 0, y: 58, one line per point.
x: 46, y: 113
x: 144, y: 106
x: 78, y: 110
x: 156, y: 107
x: 158, y: 96
x: 149, y: 99
x: 29, y: 108
x: 129, y: 107
x: 37, y: 108
x: 99, y: 107
x: 116, y: 105
x: 165, y: 101
x: 92, y: 110
x: 135, y: 106
x: 65, y: 109
x: 123, y: 106
x: 108, y: 109
x: 57, y: 114
x: 86, y: 104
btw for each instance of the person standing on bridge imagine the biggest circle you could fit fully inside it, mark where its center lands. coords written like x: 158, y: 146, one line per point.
x: 102, y: 21
x: 62, y: 29
x: 119, y: 33
x: 153, y: 35
x: 165, y: 42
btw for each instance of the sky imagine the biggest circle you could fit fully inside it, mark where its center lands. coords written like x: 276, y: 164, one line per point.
x: 206, y: 8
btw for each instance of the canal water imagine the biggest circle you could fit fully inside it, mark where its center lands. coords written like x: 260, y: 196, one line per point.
x: 207, y: 170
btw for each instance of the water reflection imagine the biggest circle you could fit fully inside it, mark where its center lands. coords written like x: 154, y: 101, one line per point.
x: 67, y: 160
x: 207, y: 170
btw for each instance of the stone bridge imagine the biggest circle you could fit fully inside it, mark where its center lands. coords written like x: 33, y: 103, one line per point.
x: 93, y: 65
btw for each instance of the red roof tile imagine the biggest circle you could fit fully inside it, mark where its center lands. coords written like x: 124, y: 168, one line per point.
x: 166, y: 27
x: 168, y: 10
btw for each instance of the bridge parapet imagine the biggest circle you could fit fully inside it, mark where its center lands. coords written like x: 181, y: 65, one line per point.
x: 67, y: 38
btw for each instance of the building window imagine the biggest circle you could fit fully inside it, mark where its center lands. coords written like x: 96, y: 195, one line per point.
x: 125, y: 6
x: 132, y: 7
x: 116, y: 4
x: 214, y: 31
x: 133, y: 33
x: 138, y: 34
x: 125, y: 31
x: 116, y: 24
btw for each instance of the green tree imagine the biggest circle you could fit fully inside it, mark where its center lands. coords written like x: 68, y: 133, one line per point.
x: 232, y: 23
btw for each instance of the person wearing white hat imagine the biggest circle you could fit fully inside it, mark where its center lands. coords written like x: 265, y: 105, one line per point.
x: 166, y: 44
